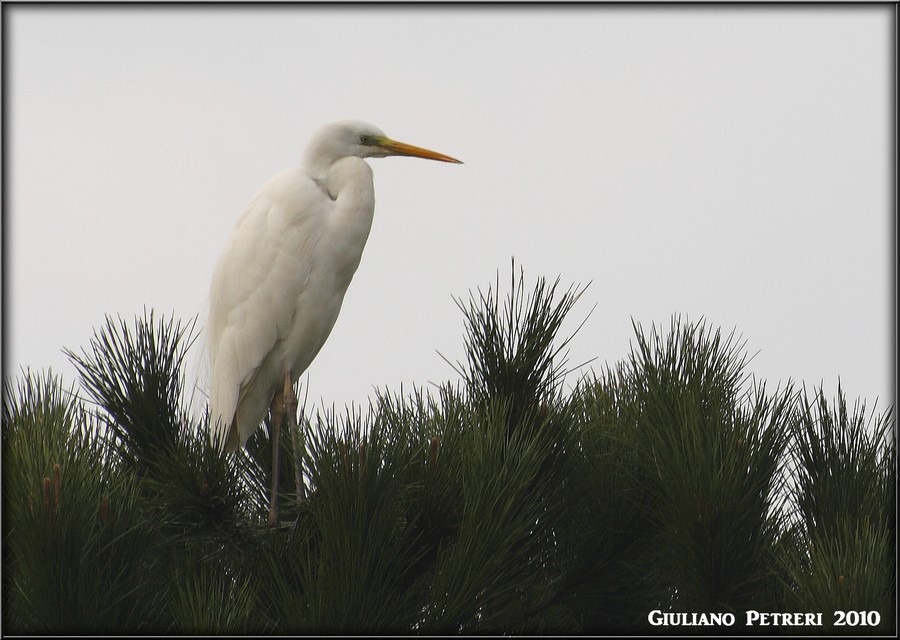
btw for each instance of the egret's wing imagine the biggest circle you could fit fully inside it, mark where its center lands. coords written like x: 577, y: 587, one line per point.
x: 253, y: 294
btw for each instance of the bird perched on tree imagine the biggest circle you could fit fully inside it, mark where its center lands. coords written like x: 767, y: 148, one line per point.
x: 279, y: 284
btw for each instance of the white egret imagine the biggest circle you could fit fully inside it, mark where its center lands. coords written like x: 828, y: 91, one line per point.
x: 278, y: 287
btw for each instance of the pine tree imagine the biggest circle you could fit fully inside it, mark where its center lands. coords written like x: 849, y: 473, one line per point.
x: 670, y: 482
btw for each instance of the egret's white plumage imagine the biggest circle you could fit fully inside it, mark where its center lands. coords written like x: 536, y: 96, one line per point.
x: 278, y: 287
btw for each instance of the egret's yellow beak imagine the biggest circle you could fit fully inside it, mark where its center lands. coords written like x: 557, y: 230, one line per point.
x: 403, y: 149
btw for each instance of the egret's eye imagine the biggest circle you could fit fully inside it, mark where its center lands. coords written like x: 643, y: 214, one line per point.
x: 364, y: 139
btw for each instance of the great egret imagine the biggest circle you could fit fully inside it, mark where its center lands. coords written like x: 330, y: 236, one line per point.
x: 278, y: 287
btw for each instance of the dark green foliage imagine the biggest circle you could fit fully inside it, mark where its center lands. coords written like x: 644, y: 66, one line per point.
x: 671, y: 481
x: 136, y: 379
x: 709, y: 453
x: 510, y: 350
x: 76, y: 544
x: 844, y: 558
x: 843, y: 465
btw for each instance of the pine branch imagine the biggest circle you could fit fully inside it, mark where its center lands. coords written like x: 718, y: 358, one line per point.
x: 501, y: 506
x: 135, y: 377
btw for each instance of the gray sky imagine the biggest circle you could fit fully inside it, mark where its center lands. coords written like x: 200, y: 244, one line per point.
x: 730, y: 162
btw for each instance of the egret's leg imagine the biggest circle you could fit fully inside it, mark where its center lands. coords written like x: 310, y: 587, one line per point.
x: 290, y: 407
x: 277, y: 417
x: 298, y: 440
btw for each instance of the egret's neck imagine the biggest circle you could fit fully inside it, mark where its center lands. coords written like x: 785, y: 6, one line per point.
x: 349, y: 181
x: 319, y: 159
x: 317, y: 170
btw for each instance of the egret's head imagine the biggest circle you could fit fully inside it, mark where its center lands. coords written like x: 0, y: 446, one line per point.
x: 363, y: 140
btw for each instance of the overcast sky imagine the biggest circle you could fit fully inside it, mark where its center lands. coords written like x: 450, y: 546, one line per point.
x: 732, y: 163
